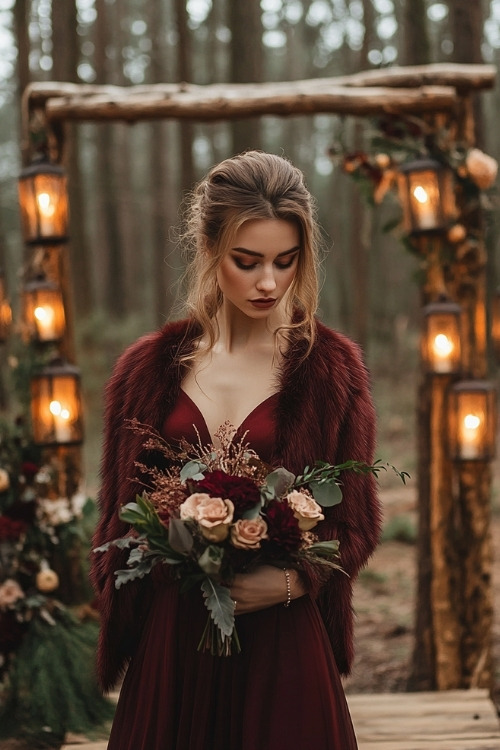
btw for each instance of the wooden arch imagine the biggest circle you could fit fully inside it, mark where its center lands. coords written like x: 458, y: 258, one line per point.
x: 454, y: 609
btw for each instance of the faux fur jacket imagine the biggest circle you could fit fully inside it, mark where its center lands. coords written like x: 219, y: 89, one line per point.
x: 324, y: 412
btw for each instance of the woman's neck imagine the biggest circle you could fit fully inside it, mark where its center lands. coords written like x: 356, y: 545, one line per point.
x: 237, y: 332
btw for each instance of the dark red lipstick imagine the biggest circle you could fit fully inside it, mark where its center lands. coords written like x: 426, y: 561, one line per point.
x: 263, y: 303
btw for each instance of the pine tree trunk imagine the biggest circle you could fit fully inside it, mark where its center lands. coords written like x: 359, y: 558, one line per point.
x: 246, y: 65
x: 109, y: 234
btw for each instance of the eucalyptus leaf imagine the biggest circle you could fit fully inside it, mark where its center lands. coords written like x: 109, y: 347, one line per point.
x: 192, y: 470
x: 211, y: 560
x: 179, y: 536
x: 131, y: 574
x: 327, y: 494
x: 252, y: 513
x: 279, y: 481
x: 220, y: 605
x: 124, y: 543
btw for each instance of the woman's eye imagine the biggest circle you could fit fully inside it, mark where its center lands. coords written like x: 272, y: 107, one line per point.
x: 287, y: 264
x: 244, y: 266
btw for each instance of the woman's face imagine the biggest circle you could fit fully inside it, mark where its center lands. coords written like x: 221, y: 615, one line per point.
x: 259, y: 267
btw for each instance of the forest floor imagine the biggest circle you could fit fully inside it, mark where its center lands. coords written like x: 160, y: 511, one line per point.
x: 384, y: 602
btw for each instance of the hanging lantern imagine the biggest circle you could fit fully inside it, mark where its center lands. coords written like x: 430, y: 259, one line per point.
x: 44, y: 311
x: 427, y: 196
x: 472, y: 420
x: 56, y: 405
x: 495, y: 324
x: 43, y: 200
x: 5, y: 311
x: 441, y: 346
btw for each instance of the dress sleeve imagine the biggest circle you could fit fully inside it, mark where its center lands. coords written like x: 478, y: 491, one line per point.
x: 121, y: 611
x: 356, y: 521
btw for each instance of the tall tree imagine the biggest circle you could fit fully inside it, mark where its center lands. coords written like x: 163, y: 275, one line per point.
x: 185, y: 73
x: 114, y: 269
x: 65, y: 56
x: 21, y: 9
x: 467, y: 22
x: 416, y: 46
x: 246, y: 64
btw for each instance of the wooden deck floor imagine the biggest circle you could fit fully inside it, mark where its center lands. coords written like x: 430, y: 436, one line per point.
x: 453, y: 720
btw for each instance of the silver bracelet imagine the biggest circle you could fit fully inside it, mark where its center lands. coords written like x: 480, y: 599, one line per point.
x: 288, y: 588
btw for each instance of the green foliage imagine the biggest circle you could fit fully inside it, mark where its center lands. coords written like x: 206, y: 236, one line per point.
x: 52, y: 688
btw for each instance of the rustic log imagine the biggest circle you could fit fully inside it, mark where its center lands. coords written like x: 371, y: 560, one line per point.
x: 214, y: 104
x: 441, y: 74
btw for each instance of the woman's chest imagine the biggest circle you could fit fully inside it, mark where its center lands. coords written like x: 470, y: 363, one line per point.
x: 230, y: 388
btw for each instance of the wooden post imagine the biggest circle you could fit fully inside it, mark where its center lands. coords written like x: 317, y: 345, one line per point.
x: 474, y: 547
x: 444, y: 589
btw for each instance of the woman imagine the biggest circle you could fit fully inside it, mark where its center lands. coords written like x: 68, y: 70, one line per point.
x: 252, y: 353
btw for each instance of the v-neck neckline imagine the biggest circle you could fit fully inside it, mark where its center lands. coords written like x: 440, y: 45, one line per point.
x: 240, y: 428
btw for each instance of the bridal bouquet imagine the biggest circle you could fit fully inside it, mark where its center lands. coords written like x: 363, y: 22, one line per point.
x: 218, y: 511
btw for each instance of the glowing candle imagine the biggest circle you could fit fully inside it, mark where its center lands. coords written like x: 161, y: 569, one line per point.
x: 61, y: 414
x: 47, y: 209
x: 470, y: 436
x: 442, y: 349
x: 45, y: 322
x: 425, y: 211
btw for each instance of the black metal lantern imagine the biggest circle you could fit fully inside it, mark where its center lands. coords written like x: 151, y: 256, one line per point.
x: 472, y: 420
x: 441, y: 344
x: 43, y: 199
x: 5, y: 311
x: 426, y: 191
x: 56, y: 405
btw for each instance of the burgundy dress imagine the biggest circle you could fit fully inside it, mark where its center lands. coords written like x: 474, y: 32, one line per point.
x: 282, y: 692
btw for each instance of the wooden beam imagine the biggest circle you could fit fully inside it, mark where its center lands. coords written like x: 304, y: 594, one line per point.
x: 422, y: 88
x: 216, y: 103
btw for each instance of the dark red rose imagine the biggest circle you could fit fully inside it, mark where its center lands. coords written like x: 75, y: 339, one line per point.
x: 10, y: 529
x: 29, y: 469
x: 282, y: 526
x: 242, y: 491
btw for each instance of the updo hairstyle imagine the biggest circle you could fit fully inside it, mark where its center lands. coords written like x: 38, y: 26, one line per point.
x: 252, y: 185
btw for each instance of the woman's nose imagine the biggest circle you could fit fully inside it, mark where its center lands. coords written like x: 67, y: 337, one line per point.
x: 267, y: 282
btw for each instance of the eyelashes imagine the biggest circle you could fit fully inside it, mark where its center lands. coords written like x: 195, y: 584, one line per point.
x: 251, y: 266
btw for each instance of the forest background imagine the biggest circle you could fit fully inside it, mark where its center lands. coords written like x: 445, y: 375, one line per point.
x: 127, y: 182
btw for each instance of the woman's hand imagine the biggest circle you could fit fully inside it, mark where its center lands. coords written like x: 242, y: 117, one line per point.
x: 264, y: 587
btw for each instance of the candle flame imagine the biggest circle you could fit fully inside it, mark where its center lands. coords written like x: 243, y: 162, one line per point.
x: 472, y: 421
x: 58, y: 410
x: 443, y: 345
x: 44, y: 314
x: 421, y: 194
x: 45, y: 204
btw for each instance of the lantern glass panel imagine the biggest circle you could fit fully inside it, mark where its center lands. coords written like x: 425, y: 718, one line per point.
x: 472, y: 421
x: 44, y: 311
x: 5, y: 312
x: 495, y: 324
x: 44, y: 205
x: 56, y: 409
x: 427, y: 196
x: 441, y: 346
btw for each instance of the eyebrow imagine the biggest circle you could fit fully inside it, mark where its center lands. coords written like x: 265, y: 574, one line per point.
x: 261, y: 255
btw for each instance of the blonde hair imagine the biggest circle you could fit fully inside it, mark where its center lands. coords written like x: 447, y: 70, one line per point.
x: 252, y: 185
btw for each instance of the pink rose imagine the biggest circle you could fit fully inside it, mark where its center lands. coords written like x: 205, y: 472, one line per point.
x: 482, y: 168
x: 213, y: 514
x: 247, y: 534
x: 305, y: 509
x: 10, y: 592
